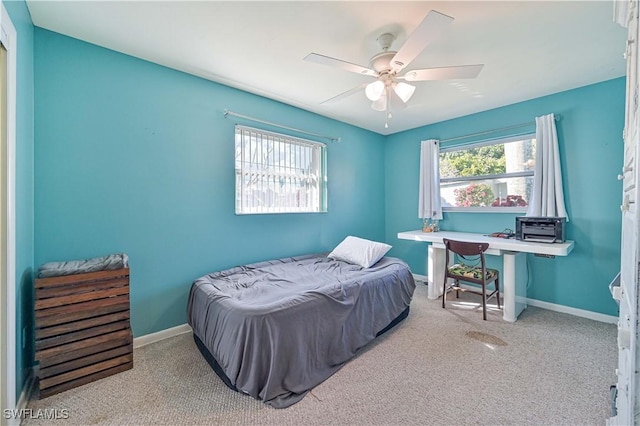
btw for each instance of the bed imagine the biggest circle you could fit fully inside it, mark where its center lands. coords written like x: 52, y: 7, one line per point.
x: 276, y: 329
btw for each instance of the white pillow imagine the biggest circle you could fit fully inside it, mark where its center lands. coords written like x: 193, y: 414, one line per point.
x: 359, y: 251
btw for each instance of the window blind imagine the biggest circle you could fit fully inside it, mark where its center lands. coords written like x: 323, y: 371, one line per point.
x: 276, y: 173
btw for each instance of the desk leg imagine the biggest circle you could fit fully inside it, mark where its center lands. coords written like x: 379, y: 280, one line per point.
x: 514, y: 282
x: 435, y: 268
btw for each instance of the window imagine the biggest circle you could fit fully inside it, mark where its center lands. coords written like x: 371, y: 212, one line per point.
x: 279, y: 174
x: 488, y: 176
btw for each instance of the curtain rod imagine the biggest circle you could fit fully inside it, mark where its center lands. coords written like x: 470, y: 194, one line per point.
x: 556, y: 117
x: 257, y: 120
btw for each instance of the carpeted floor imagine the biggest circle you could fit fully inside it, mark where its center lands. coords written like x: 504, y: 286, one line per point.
x: 440, y: 367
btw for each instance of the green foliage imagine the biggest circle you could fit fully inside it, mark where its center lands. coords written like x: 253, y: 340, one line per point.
x: 486, y: 160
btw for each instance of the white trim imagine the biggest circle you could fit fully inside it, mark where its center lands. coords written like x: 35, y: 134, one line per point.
x: 422, y: 278
x: 596, y: 316
x: 9, y: 308
x: 488, y: 142
x: 505, y: 175
x: 484, y: 209
x: 138, y: 342
x: 25, y: 395
x: 147, y: 339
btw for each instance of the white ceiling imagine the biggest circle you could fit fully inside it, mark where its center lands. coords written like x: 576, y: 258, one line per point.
x: 530, y: 49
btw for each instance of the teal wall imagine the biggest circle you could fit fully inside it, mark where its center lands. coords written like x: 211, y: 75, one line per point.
x: 590, y: 140
x: 137, y: 158
x: 24, y: 188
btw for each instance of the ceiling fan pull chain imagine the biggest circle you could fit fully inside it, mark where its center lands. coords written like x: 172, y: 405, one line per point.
x: 387, y: 113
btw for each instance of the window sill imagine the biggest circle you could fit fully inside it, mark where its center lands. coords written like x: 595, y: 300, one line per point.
x: 484, y: 209
x: 282, y: 212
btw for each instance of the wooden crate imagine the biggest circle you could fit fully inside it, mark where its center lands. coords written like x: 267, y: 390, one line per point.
x: 83, y: 331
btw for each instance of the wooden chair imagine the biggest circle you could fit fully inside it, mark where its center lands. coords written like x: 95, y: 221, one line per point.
x: 473, y: 270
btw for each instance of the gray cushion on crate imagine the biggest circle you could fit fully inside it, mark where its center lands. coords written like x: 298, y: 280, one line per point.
x: 103, y: 263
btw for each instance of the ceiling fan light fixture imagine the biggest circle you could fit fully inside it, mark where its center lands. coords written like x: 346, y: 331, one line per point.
x: 381, y: 103
x: 375, y: 90
x: 404, y: 91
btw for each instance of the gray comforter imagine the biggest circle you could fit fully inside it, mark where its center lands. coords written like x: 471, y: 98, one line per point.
x: 281, y: 327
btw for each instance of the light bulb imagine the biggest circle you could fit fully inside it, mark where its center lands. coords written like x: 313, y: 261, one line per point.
x: 404, y: 91
x: 374, y: 90
x: 381, y: 103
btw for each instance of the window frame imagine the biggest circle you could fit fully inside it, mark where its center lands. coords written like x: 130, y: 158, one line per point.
x: 480, y: 144
x: 289, y: 140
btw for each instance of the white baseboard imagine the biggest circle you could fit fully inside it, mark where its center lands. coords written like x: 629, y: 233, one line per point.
x: 25, y: 395
x: 30, y: 382
x: 609, y: 319
x: 161, y: 335
x: 421, y: 278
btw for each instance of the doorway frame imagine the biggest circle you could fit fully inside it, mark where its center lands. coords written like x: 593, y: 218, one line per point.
x: 8, y: 383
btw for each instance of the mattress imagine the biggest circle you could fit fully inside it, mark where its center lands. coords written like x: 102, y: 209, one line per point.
x: 278, y: 328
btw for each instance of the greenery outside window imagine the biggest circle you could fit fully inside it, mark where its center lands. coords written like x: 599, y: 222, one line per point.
x: 494, y: 176
x: 277, y: 173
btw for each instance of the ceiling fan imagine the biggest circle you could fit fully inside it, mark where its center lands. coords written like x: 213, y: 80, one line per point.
x: 389, y: 91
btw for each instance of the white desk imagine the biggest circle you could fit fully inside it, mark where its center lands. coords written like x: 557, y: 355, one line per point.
x: 514, y: 271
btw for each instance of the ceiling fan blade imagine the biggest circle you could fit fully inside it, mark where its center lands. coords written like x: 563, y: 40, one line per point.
x: 337, y: 63
x: 429, y: 29
x: 443, y: 73
x: 344, y: 94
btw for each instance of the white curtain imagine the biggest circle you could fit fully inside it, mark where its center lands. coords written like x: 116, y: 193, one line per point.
x: 429, y: 204
x: 547, y: 198
x: 621, y: 13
